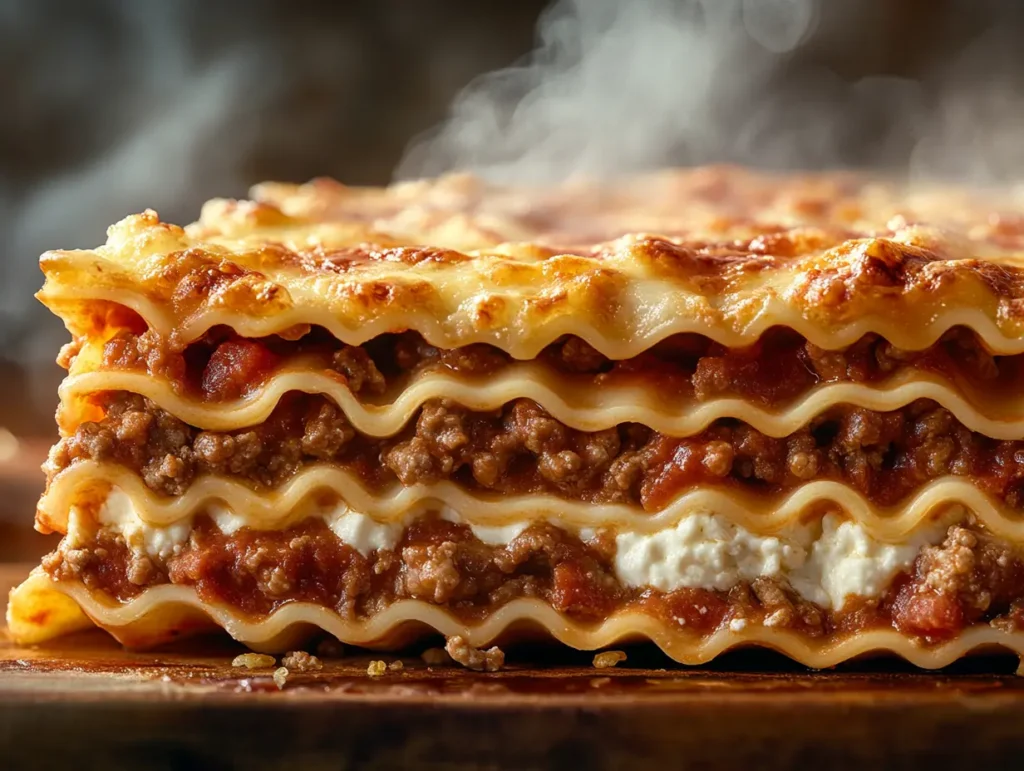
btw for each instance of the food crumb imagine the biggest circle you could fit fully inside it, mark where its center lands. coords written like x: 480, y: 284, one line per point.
x: 462, y: 652
x: 253, y: 661
x: 607, y: 659
x: 435, y: 657
x: 376, y: 669
x: 300, y: 661
x: 396, y: 666
x: 331, y: 648
x: 280, y: 677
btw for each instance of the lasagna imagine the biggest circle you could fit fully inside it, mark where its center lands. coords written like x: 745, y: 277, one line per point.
x: 708, y: 408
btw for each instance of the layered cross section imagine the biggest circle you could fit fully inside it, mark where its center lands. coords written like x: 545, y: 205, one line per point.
x: 708, y: 408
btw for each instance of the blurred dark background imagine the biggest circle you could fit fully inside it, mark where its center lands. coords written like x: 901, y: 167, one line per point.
x: 112, y: 106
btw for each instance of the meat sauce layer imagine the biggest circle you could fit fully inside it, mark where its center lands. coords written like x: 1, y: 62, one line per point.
x: 777, y: 369
x: 970, y: 578
x: 521, y: 449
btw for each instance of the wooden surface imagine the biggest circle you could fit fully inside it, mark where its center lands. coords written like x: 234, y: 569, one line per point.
x: 83, y: 702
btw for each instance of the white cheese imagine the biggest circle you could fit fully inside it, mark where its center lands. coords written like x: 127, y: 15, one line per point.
x: 226, y: 520
x: 362, y: 533
x: 845, y: 561
x: 738, y: 624
x: 118, y: 514
x: 492, y: 535
x: 499, y: 535
x: 705, y: 551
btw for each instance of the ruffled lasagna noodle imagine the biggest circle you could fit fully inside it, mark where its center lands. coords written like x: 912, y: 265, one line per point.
x: 709, y: 408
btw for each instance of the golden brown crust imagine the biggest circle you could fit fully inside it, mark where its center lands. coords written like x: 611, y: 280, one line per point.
x: 721, y: 251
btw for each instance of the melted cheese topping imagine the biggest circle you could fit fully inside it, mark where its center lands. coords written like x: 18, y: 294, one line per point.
x: 721, y: 252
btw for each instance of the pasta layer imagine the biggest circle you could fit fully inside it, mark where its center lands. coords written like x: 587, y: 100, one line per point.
x: 40, y: 609
x: 87, y: 483
x: 591, y: 409
x: 520, y: 450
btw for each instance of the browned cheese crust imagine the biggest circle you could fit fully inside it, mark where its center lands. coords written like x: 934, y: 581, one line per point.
x: 720, y: 249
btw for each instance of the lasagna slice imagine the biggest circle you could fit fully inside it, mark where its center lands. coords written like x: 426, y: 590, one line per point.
x: 707, y: 408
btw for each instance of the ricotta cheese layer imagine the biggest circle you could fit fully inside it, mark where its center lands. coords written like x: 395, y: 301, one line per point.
x: 826, y: 561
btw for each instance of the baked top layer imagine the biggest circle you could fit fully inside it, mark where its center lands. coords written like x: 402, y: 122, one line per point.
x: 725, y: 252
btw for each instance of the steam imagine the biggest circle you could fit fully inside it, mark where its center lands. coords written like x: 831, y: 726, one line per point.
x: 614, y: 88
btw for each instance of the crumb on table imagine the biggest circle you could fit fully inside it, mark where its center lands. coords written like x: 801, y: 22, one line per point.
x: 607, y: 659
x: 462, y: 652
x: 300, y: 661
x: 280, y: 677
x: 253, y: 661
x: 376, y: 669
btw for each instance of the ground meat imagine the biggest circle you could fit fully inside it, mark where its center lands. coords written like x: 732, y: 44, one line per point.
x: 326, y: 431
x: 256, y: 571
x: 359, y: 369
x: 105, y: 564
x: 582, y: 581
x: 147, y: 351
x: 137, y: 434
x: 780, y: 606
x: 522, y: 449
x: 475, y: 359
x: 411, y: 352
x: 412, y: 462
x: 972, y: 577
x: 430, y: 572
x: 443, y: 563
x: 462, y: 652
x: 776, y: 369
x: 577, y: 355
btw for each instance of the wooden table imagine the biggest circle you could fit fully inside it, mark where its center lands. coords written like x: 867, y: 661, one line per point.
x: 83, y: 702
